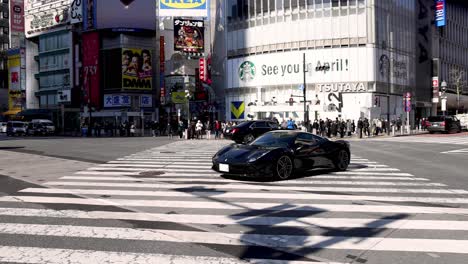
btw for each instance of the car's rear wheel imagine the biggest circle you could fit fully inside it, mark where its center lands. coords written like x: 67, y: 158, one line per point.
x: 248, y: 138
x: 284, y: 167
x: 342, y: 160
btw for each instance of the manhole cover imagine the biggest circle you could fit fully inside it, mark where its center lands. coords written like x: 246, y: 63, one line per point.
x: 149, y: 174
x: 167, y: 152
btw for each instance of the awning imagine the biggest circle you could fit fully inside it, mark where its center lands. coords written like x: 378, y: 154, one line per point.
x: 11, y: 112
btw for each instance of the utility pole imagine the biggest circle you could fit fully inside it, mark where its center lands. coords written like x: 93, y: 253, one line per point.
x: 306, y: 114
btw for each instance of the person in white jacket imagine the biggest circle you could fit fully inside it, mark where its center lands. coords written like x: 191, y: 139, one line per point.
x: 198, y: 129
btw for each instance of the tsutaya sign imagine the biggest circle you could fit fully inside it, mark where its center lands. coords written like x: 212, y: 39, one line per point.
x: 343, y: 88
x: 343, y: 65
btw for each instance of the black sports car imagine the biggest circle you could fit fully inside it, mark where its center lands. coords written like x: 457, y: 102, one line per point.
x: 280, y: 154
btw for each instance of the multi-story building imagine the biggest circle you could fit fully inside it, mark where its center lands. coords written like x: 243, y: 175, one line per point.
x: 361, y: 58
x: 4, y: 46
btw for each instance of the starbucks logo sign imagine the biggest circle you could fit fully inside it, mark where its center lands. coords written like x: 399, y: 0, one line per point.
x: 247, y: 71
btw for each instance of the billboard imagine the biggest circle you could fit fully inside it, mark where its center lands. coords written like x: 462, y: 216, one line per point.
x: 15, y: 97
x: 91, y: 68
x: 17, y: 16
x: 186, y: 8
x: 137, y: 69
x: 189, y: 35
x: 131, y: 14
x: 46, y: 19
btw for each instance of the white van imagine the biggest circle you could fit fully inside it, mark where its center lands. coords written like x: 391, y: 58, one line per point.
x: 463, y: 120
x: 47, y: 124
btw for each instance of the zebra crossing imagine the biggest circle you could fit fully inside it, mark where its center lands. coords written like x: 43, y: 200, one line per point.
x: 432, y: 139
x: 165, y: 205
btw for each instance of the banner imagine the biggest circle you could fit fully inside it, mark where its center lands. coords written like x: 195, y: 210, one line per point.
x: 17, y: 16
x: 91, y: 68
x: 186, y: 8
x: 237, y: 110
x: 137, y: 69
x: 189, y: 35
x: 15, y: 97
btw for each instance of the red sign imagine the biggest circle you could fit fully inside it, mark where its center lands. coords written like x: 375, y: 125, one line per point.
x: 202, y: 66
x: 91, y: 86
x: 435, y: 82
x: 17, y: 15
x: 407, y: 101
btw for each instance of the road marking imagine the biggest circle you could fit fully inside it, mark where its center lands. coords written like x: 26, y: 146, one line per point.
x: 457, y: 151
x: 254, y: 187
x: 310, y: 182
x: 241, y: 206
x: 256, y: 195
x: 242, y: 220
x: 275, y: 241
x: 60, y: 256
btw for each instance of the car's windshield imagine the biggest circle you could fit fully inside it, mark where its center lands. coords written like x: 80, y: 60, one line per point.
x: 243, y: 124
x: 277, y: 139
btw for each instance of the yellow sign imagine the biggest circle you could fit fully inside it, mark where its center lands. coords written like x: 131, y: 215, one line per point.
x: 137, y: 69
x: 237, y: 110
x: 14, y: 92
x: 178, y: 98
x: 183, y: 8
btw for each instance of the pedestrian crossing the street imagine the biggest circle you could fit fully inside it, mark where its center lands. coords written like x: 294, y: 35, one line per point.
x: 431, y: 139
x: 166, y: 205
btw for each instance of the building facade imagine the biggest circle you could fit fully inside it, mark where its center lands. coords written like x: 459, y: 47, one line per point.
x: 359, y: 57
x: 362, y: 57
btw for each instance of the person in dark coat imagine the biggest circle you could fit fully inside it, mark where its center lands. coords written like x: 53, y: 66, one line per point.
x: 360, y: 125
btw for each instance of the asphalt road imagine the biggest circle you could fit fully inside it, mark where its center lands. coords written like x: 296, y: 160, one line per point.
x: 75, y: 199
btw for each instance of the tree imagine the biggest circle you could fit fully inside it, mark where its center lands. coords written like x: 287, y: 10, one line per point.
x: 458, y: 79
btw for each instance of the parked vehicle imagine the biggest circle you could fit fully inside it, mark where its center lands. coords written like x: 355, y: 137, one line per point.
x: 43, y: 126
x: 282, y: 153
x: 15, y: 128
x: 463, y: 120
x: 444, y: 124
x: 36, y: 129
x: 248, y: 131
x: 3, y: 127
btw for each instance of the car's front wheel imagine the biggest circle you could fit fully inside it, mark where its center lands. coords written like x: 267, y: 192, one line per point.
x: 284, y: 167
x: 342, y: 160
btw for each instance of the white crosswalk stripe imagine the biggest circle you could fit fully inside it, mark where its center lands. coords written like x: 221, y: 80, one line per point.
x: 170, y: 196
x: 430, y: 139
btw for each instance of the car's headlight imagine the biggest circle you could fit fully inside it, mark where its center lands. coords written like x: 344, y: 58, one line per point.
x: 256, y: 156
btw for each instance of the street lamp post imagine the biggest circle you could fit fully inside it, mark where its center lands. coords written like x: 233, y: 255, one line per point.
x: 306, y: 114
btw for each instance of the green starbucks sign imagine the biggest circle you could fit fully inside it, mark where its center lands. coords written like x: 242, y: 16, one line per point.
x: 247, y: 71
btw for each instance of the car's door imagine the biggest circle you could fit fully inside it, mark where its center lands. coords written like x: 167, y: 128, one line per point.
x: 259, y: 128
x: 307, y: 151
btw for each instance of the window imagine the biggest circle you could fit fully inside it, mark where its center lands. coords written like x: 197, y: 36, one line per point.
x: 272, y: 5
x: 305, y: 138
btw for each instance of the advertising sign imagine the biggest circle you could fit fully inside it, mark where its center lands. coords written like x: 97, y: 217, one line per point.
x: 189, y: 35
x: 91, y: 67
x: 407, y: 101
x: 186, y: 8
x: 238, y: 110
x: 76, y: 11
x: 440, y: 13
x: 137, y: 69
x: 89, y: 14
x: 39, y: 22
x: 178, y: 98
x: 64, y: 96
x: 15, y: 97
x: 202, y: 69
x: 344, y: 65
x: 17, y: 16
x: 117, y: 100
x: 435, y: 89
x: 162, y: 59
x: 146, y: 100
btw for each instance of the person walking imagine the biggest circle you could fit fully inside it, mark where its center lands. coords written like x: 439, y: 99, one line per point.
x: 291, y: 124
x: 360, y: 125
x: 217, y: 129
x: 198, y: 129
x: 132, y: 130
x: 154, y: 128
x: 349, y: 127
x: 366, y: 127
x: 180, y: 128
